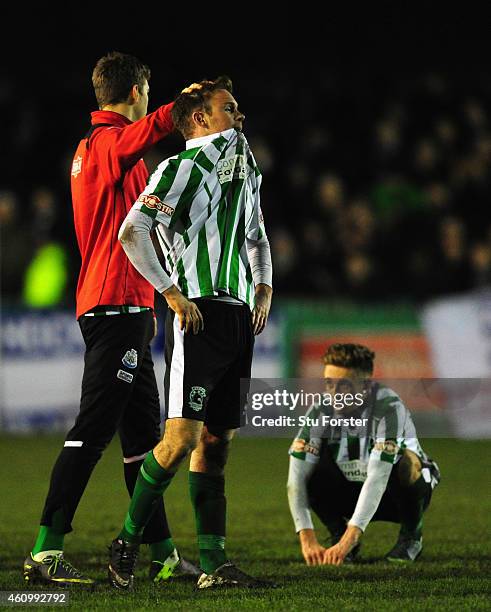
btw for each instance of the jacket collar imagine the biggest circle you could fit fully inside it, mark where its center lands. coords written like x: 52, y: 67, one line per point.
x: 105, y: 116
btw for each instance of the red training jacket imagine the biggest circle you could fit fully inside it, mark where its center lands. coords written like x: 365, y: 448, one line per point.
x: 108, y: 175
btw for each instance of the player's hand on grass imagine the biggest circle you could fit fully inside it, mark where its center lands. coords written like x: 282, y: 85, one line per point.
x: 312, y: 551
x: 190, y: 317
x: 335, y: 555
x: 262, y: 305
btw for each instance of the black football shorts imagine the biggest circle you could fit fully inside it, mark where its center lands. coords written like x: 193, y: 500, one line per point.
x: 203, y: 371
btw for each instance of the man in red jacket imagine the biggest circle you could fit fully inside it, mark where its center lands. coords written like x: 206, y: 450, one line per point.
x: 115, y: 314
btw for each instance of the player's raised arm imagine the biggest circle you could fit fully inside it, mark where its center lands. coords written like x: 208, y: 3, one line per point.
x: 123, y: 145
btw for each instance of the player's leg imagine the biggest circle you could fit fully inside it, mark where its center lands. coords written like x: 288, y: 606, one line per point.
x: 180, y: 437
x: 224, y: 414
x: 105, y: 394
x: 207, y: 490
x: 139, y: 432
x: 414, y: 494
x: 408, y: 495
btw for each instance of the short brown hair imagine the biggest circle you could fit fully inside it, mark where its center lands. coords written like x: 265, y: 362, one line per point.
x: 187, y: 103
x: 352, y: 356
x: 115, y: 74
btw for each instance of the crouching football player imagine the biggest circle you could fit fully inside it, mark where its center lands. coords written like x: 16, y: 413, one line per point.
x: 349, y: 475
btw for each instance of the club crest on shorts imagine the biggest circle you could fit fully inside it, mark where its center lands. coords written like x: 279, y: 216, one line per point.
x: 130, y: 359
x: 196, y: 398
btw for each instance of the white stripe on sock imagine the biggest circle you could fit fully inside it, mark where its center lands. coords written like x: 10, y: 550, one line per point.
x: 135, y: 458
x: 75, y: 443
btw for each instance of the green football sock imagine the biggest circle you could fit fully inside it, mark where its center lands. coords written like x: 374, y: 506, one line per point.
x: 208, y: 499
x: 151, y: 483
x: 159, y: 551
x: 51, y: 537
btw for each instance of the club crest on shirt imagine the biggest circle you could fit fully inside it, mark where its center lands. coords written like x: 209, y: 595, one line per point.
x: 387, y: 446
x: 154, y: 203
x: 130, y: 359
x: 77, y: 166
x: 196, y: 398
x: 298, y: 446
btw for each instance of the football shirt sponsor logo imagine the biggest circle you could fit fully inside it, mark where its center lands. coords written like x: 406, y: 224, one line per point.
x: 354, y: 471
x: 155, y: 203
x: 233, y: 168
x: 312, y: 448
x: 126, y: 376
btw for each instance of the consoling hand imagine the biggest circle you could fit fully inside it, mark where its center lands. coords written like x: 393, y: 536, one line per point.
x: 191, y: 88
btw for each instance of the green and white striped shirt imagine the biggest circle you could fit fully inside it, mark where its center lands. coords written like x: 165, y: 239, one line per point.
x: 206, y: 204
x: 390, y: 430
x: 364, y: 455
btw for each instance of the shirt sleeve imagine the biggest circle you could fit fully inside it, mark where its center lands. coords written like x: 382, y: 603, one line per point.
x: 136, y: 241
x: 170, y: 192
x: 298, y: 474
x: 259, y: 255
x: 121, y: 147
x: 373, y: 488
x: 389, y: 435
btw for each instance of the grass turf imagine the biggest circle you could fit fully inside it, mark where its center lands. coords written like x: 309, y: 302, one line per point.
x: 453, y: 572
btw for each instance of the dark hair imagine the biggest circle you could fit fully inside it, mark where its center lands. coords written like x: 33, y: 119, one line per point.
x: 115, y: 74
x: 187, y: 103
x: 352, y: 356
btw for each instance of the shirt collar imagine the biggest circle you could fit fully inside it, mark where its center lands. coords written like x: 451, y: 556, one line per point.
x: 203, y: 140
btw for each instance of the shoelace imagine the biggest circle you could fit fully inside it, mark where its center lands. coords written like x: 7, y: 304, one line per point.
x: 54, y: 562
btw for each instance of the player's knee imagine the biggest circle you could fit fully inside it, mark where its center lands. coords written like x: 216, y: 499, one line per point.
x: 171, y: 453
x: 409, y: 469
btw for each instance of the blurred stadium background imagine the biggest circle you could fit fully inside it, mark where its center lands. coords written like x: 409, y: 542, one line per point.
x: 374, y: 140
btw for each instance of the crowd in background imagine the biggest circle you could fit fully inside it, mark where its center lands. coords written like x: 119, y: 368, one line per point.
x: 372, y: 191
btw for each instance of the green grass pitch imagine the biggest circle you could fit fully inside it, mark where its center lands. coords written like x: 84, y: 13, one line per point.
x: 452, y: 574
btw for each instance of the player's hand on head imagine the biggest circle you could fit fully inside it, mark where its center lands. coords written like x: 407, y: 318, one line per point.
x: 262, y: 305
x: 192, y: 88
x: 190, y: 317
